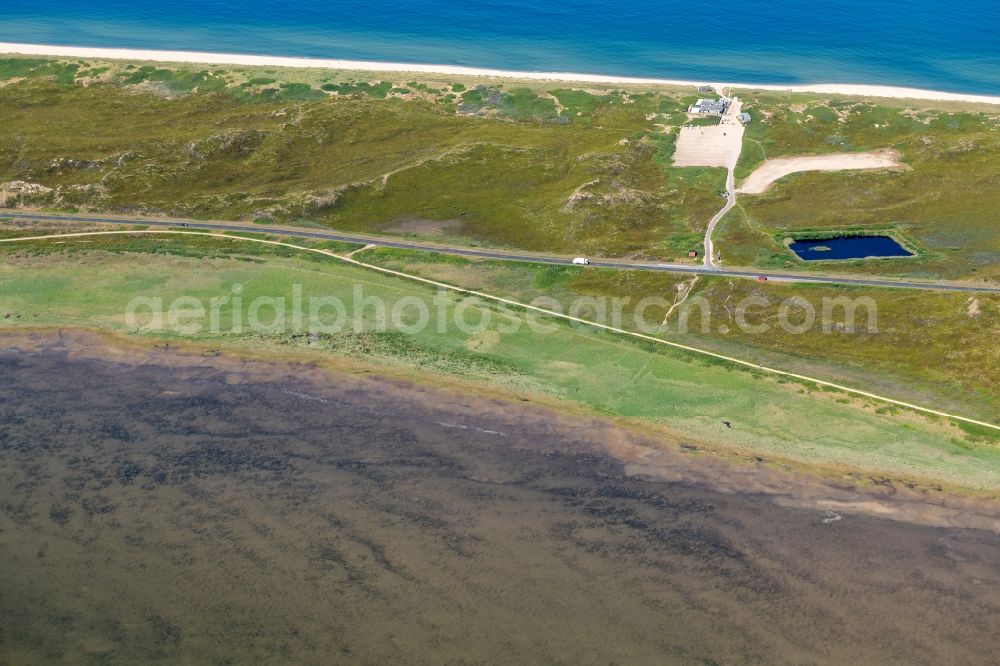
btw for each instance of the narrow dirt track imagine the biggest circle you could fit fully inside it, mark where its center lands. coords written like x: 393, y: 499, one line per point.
x: 773, y: 170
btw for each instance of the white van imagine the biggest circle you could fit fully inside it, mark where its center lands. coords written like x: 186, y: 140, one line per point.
x: 581, y: 261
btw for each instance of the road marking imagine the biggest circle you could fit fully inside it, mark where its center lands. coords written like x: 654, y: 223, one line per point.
x: 535, y: 308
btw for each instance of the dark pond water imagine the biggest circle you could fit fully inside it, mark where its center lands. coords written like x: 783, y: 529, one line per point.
x: 849, y: 247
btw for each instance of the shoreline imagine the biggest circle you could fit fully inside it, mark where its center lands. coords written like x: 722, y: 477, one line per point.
x: 198, y: 57
x: 261, y: 512
x: 650, y: 452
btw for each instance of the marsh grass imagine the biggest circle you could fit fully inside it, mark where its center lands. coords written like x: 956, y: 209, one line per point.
x: 937, y: 345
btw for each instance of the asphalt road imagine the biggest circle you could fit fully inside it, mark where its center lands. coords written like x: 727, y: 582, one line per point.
x: 510, y: 256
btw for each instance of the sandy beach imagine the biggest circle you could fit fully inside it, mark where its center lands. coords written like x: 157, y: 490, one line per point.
x: 374, y: 66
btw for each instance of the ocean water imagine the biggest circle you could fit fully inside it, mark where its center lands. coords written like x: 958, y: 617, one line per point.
x: 937, y: 44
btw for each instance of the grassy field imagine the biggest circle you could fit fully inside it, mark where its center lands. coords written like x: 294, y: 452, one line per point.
x: 938, y: 346
x: 89, y: 285
x: 943, y: 204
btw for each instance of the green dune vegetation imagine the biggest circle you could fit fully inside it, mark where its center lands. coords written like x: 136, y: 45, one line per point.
x: 943, y: 205
x: 517, y: 164
x: 88, y: 283
x: 563, y: 170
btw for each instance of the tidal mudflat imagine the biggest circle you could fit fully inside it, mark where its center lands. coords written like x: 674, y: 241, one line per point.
x: 167, y: 506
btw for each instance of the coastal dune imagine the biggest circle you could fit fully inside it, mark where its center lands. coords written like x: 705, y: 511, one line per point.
x: 196, y: 57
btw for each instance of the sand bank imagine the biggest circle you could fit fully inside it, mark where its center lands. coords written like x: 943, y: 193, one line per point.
x: 772, y: 170
x: 368, y: 65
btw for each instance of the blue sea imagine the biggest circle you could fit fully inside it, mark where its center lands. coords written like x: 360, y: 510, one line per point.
x: 937, y: 44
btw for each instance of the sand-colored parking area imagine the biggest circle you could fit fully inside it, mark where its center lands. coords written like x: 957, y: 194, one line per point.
x: 713, y: 145
x: 760, y: 180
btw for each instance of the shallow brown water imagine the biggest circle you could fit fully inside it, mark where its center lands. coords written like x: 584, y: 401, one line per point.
x: 175, y: 508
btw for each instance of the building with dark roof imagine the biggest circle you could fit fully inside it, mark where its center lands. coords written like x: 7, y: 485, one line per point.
x: 710, y: 107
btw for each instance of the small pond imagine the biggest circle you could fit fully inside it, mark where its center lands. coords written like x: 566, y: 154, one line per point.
x: 848, y: 247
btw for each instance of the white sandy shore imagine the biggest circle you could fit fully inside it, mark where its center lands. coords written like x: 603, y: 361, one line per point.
x: 374, y: 66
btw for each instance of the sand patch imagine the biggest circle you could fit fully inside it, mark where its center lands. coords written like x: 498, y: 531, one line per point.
x: 579, y: 194
x: 773, y: 170
x: 16, y: 189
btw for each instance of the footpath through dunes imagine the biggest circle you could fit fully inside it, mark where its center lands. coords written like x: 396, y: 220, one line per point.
x: 773, y: 170
x: 226, y: 509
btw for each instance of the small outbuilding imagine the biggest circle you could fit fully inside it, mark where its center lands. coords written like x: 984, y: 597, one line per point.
x: 693, y: 254
x: 744, y: 118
